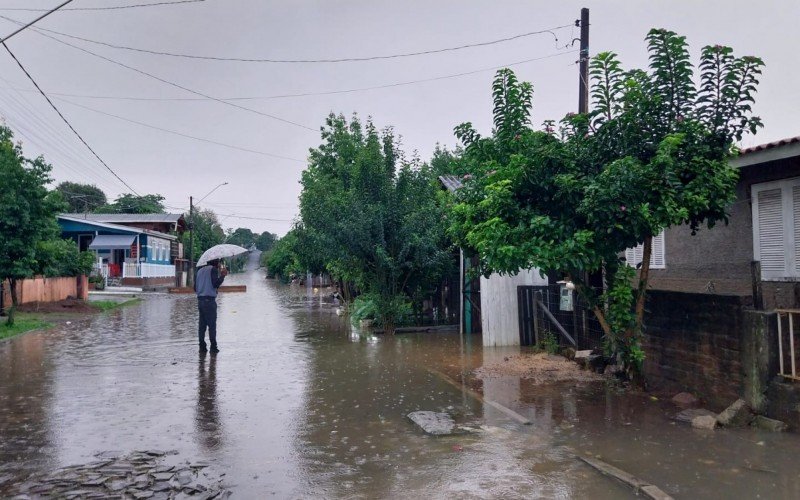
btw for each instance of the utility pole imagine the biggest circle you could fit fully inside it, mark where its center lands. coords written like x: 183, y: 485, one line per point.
x: 190, y: 278
x: 583, y: 88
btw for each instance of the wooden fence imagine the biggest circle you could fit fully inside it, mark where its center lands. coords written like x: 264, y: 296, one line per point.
x: 42, y: 289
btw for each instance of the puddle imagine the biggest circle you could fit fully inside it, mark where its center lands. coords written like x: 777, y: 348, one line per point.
x: 296, y: 405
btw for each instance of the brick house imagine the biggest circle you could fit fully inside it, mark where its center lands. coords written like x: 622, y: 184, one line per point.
x: 757, y: 254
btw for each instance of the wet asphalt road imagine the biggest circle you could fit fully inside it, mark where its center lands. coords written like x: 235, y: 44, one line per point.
x: 297, y: 405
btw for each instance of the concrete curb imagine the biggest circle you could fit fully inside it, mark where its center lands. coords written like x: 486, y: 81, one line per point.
x: 637, y: 484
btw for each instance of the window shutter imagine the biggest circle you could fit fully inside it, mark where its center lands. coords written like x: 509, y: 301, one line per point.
x: 634, y: 256
x: 657, y: 258
x: 796, y: 219
x: 630, y: 257
x: 770, y: 232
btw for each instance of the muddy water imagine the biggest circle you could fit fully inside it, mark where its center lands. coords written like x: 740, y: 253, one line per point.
x: 297, y: 405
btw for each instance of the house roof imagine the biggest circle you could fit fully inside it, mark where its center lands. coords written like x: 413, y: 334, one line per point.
x: 129, y: 218
x: 115, y: 227
x: 771, y: 151
x: 451, y: 182
x: 769, y: 145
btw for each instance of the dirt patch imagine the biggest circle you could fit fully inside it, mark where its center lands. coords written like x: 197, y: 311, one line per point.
x: 62, y: 306
x: 539, y: 367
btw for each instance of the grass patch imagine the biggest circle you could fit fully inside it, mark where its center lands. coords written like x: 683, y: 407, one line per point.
x: 107, y: 305
x: 21, y: 325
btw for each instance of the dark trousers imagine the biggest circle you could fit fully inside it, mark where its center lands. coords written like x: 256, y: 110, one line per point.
x: 207, y: 312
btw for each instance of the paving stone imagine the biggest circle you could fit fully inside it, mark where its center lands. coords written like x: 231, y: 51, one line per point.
x: 434, y: 423
x: 163, y: 476
x: 689, y: 415
x: 704, y: 422
x: 769, y: 424
x: 738, y: 414
x: 142, y: 494
x: 685, y: 400
x: 184, y: 478
x: 94, y: 481
x: 118, y: 485
x: 161, y: 486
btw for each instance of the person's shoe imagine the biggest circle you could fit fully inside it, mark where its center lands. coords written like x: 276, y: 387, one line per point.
x: 203, y: 349
x: 214, y: 349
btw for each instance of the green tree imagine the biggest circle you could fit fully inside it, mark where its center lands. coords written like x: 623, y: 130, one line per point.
x: 27, y: 212
x: 242, y: 236
x: 282, y: 261
x: 81, y: 197
x: 59, y: 257
x: 372, y: 216
x: 265, y: 241
x: 207, y: 232
x: 133, y: 204
x: 653, y: 154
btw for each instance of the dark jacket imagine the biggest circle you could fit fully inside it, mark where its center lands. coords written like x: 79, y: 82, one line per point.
x: 207, y: 280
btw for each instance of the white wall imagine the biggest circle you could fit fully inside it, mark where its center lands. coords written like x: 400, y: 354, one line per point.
x: 499, y: 318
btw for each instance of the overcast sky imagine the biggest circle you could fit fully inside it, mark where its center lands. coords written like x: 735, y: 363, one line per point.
x: 424, y: 113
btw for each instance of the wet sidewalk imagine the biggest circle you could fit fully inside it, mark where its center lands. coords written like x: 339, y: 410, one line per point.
x: 296, y: 405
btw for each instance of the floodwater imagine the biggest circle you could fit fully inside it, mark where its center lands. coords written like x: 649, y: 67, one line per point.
x: 299, y: 405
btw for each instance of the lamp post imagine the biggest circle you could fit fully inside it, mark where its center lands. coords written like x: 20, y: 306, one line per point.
x: 191, y: 231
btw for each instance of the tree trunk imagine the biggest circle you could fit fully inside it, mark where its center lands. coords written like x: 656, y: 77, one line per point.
x: 12, y: 284
x: 644, y: 277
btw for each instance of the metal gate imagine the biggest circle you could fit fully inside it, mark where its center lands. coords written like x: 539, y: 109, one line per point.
x: 574, y: 325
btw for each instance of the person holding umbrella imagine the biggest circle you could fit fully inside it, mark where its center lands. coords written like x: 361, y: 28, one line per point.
x: 208, y: 280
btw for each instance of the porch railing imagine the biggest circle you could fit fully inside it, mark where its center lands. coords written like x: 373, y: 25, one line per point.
x: 145, y: 270
x: 791, y: 370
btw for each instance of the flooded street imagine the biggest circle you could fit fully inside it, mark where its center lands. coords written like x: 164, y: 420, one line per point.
x: 297, y: 405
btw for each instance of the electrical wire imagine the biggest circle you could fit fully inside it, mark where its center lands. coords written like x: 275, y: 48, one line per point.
x: 47, y: 13
x: 308, y: 61
x: 41, y: 133
x: 54, y: 137
x: 117, y: 7
x: 65, y: 119
x: 323, y: 93
x: 170, y: 83
x: 201, y: 139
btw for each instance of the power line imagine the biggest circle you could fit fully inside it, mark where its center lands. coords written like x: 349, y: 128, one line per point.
x: 52, y: 138
x: 323, y: 93
x: 168, y: 82
x: 201, y: 139
x: 35, y: 20
x: 305, y: 61
x: 65, y: 119
x: 117, y: 7
x: 49, y: 139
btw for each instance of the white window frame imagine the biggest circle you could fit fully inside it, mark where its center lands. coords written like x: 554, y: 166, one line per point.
x: 791, y: 269
x: 658, y: 244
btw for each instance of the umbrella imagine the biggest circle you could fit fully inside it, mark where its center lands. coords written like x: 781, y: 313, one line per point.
x: 220, y: 252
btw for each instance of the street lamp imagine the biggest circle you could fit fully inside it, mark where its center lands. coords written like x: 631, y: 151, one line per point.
x: 191, y: 230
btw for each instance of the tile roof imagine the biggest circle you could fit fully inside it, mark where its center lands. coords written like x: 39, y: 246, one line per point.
x: 770, y: 145
x: 129, y: 218
x: 110, y: 225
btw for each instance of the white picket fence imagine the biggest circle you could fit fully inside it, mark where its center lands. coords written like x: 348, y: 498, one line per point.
x: 145, y: 270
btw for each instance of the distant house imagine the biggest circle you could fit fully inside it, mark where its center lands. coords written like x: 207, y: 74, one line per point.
x: 758, y: 253
x: 136, y: 249
x: 491, y: 305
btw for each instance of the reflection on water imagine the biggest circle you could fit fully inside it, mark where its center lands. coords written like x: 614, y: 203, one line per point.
x: 207, y: 417
x: 298, y: 404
